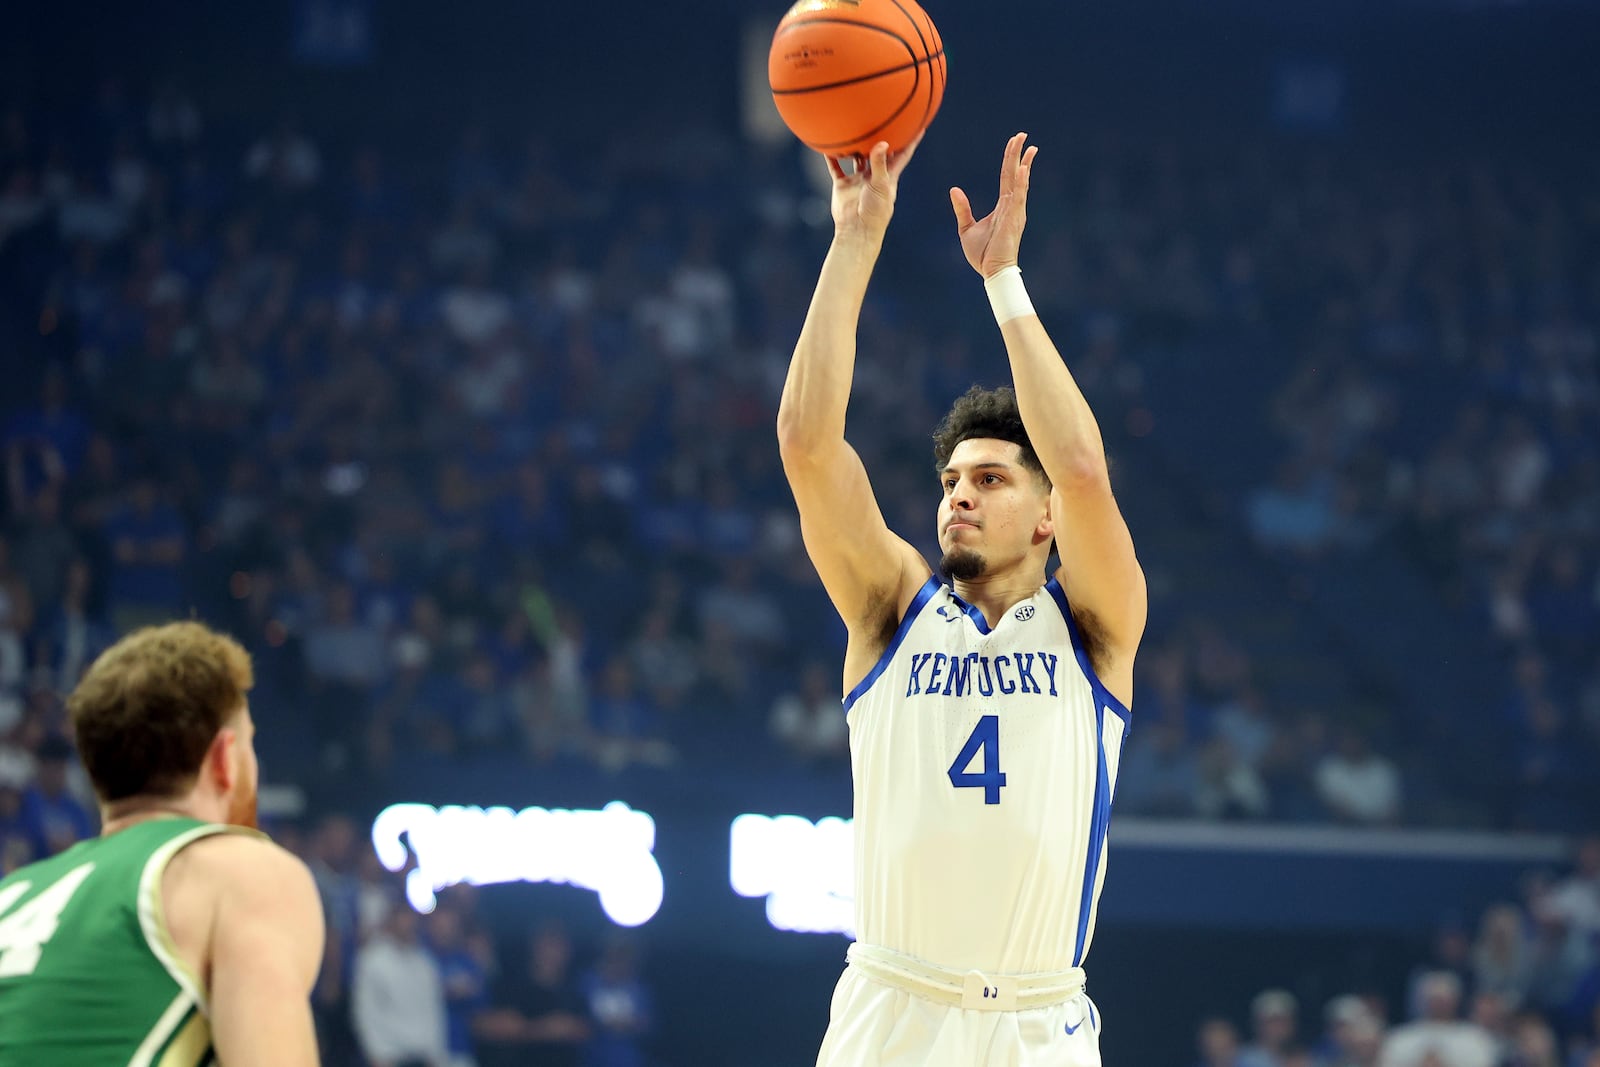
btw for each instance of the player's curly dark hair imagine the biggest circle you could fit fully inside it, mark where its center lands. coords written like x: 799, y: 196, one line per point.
x: 148, y: 708
x: 981, y: 412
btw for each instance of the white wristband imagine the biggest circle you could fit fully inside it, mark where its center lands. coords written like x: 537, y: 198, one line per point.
x: 1007, y: 295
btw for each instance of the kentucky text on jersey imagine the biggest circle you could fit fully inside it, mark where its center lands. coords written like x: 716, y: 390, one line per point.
x: 940, y: 674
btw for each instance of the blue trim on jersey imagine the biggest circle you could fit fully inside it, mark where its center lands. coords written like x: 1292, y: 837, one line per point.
x: 920, y: 601
x: 1102, y: 695
x: 1099, y: 822
x: 972, y: 613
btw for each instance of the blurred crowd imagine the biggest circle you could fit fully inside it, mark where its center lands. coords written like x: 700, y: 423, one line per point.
x: 472, y: 461
x: 474, y: 451
x: 473, y: 448
x: 1442, y: 402
x: 1521, y: 989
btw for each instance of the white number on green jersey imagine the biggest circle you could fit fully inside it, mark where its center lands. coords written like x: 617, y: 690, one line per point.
x: 24, y: 932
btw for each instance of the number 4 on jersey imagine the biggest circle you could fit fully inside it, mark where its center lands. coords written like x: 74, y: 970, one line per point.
x: 23, y: 932
x: 985, y: 738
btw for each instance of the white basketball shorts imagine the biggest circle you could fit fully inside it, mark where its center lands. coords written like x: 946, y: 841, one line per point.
x: 890, y: 1010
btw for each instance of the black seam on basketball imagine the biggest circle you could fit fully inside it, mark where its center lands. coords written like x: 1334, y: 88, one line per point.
x: 933, y: 35
x: 944, y: 71
x: 862, y: 78
x: 840, y: 144
x: 910, y: 96
x: 914, y: 27
x: 927, y: 107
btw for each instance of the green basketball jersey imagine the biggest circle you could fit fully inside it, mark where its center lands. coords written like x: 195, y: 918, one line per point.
x: 89, y: 976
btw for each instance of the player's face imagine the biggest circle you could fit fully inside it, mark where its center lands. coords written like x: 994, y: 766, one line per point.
x: 993, y: 510
x: 247, y: 772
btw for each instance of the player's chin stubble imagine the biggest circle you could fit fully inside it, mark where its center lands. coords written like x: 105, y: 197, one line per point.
x: 961, y: 565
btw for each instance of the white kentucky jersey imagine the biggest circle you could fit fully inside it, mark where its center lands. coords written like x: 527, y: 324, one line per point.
x: 984, y: 764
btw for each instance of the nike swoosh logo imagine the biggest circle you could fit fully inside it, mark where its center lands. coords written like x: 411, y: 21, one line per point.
x: 1072, y: 1029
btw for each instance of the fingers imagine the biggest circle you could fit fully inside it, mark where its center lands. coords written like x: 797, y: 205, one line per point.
x: 1010, y: 161
x: 878, y: 166
x: 1025, y: 170
x: 963, y: 210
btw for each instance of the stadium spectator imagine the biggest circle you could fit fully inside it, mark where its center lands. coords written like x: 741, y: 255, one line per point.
x: 1158, y: 775
x: 1229, y: 787
x: 1218, y: 1043
x: 16, y: 844
x: 537, y: 1014
x: 1353, y: 1035
x: 43, y: 546
x: 1439, y: 1031
x: 54, y: 818
x: 397, y: 999
x: 809, y: 720
x: 1576, y: 898
x: 1495, y: 1015
x: 464, y: 975
x: 16, y: 622
x: 1500, y: 957
x: 1535, y: 1043
x: 621, y: 1005
x: 148, y: 546
x: 1274, y: 1022
x: 1357, y: 784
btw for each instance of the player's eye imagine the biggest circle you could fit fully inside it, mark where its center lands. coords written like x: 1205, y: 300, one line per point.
x: 949, y: 484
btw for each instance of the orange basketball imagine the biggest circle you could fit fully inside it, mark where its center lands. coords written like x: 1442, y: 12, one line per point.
x: 847, y: 74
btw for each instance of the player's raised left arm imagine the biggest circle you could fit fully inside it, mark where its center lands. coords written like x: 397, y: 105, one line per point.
x: 1099, y: 569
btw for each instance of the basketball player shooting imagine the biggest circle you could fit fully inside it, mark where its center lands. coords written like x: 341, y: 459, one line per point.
x: 986, y: 712
x: 180, y: 936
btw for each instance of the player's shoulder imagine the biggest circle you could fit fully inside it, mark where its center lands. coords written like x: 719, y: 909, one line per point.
x: 26, y: 873
x: 50, y: 867
x: 245, y: 861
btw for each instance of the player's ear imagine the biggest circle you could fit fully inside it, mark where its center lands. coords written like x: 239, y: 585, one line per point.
x: 222, y: 758
x: 1045, y: 529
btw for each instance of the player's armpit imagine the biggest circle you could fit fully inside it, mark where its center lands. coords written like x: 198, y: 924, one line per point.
x: 266, y: 946
x: 864, y: 566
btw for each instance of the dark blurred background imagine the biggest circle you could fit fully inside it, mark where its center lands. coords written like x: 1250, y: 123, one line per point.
x: 434, y: 351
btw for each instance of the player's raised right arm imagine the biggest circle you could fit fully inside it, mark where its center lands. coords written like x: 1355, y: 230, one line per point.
x: 861, y: 563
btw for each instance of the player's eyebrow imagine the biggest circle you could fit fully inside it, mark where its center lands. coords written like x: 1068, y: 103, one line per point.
x: 991, y: 464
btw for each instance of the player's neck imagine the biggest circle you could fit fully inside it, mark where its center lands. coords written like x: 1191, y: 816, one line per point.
x: 121, y: 814
x: 993, y: 594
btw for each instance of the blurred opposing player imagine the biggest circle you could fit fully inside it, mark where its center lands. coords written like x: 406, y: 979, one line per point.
x: 986, y: 715
x: 180, y: 935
